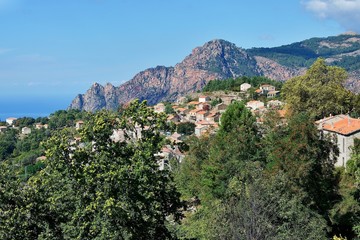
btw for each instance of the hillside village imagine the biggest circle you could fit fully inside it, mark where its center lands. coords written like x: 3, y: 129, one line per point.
x: 204, y: 110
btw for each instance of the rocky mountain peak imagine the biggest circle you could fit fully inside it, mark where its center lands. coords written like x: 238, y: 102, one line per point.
x: 220, y: 59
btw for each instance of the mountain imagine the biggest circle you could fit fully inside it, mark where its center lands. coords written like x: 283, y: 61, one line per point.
x: 220, y: 59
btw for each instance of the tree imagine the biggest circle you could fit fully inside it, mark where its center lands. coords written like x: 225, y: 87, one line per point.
x: 186, y: 128
x: 102, y: 189
x: 320, y: 92
x: 307, y: 157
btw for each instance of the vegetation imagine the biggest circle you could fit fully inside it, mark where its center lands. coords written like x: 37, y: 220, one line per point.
x: 274, y: 180
x: 234, y: 84
x: 319, y: 92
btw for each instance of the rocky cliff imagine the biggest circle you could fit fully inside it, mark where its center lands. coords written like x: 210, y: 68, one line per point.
x: 219, y: 59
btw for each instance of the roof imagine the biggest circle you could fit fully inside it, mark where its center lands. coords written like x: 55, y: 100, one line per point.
x: 345, y: 126
x: 266, y: 85
x: 193, y: 103
x: 282, y: 113
x: 201, y: 112
x: 273, y: 92
x: 195, y: 110
x: 258, y: 90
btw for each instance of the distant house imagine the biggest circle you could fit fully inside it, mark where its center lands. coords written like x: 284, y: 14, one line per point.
x: 271, y: 94
x: 200, y: 115
x: 173, y: 118
x: 244, y: 87
x: 159, y: 108
x: 3, y: 129
x: 254, y: 104
x: 10, y: 120
x: 203, y: 127
x: 79, y: 124
x: 26, y: 130
x: 265, y: 88
x: 192, y: 114
x: 213, y: 117
x: 204, y: 99
x: 345, y: 129
x: 274, y: 103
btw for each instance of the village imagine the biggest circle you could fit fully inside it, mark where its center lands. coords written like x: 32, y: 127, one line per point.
x: 204, y: 113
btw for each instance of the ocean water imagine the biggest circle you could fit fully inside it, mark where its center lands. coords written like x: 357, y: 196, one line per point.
x: 40, y: 106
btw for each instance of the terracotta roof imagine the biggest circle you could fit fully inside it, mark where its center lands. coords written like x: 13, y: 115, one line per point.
x: 201, y: 112
x: 195, y: 110
x: 193, y: 103
x: 258, y: 90
x: 344, y: 126
x: 282, y: 113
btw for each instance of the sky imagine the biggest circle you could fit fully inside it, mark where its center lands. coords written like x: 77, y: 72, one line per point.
x: 52, y: 50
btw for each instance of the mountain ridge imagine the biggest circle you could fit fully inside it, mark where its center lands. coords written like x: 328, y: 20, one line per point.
x: 221, y: 59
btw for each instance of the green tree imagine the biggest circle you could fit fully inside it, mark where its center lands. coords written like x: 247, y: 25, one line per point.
x: 101, y: 189
x: 320, y: 92
x: 307, y: 158
x: 186, y: 128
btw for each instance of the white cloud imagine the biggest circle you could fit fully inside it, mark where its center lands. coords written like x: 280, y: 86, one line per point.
x: 345, y: 12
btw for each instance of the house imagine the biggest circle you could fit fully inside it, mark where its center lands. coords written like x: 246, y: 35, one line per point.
x: 182, y: 111
x: 3, y: 129
x: 200, y: 115
x: 244, y: 87
x: 213, y: 117
x: 192, y: 114
x: 254, y: 104
x: 159, y: 108
x: 205, y: 127
x: 345, y: 129
x: 274, y: 93
x: 204, y: 99
x: 10, y: 120
x: 26, y: 130
x: 265, y: 88
x: 79, y: 124
x: 173, y: 118
x: 274, y: 103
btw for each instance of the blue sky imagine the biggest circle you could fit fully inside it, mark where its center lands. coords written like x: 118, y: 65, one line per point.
x: 52, y: 50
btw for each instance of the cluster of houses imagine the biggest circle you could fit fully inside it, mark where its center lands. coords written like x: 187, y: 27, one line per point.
x: 25, y: 130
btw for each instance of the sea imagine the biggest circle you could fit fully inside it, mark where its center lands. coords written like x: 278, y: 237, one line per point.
x: 31, y: 106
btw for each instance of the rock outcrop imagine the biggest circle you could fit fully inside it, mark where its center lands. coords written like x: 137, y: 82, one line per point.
x: 219, y: 59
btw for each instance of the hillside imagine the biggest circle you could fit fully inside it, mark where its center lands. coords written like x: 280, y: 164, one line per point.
x: 220, y: 59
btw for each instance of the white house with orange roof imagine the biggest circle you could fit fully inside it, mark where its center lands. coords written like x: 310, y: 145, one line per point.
x: 345, y: 129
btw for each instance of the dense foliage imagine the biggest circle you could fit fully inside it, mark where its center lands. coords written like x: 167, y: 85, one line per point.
x: 320, y: 92
x: 96, y: 189
x: 234, y: 84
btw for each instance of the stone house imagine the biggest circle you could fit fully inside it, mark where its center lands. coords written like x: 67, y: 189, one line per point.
x: 26, y: 130
x: 254, y: 104
x: 159, y: 108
